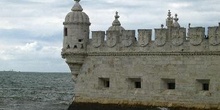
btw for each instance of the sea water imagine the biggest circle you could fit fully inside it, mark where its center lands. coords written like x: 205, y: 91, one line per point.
x: 35, y: 91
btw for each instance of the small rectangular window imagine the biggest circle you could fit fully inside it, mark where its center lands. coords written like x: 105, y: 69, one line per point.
x: 137, y: 84
x: 134, y: 83
x: 203, y: 84
x: 65, y: 31
x: 104, y: 82
x: 169, y: 84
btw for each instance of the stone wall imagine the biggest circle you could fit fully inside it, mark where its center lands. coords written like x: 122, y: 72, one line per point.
x: 188, y: 71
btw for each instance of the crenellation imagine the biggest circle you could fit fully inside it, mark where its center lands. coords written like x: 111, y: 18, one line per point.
x: 214, y: 35
x: 98, y: 38
x: 128, y: 38
x: 161, y: 37
x: 196, y: 35
x: 166, y: 39
x: 178, y: 36
x: 144, y: 37
x: 113, y: 38
x: 177, y: 40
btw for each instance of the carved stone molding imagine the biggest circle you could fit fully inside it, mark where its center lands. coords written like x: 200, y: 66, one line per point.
x: 112, y: 38
x: 128, y: 37
x: 144, y: 37
x: 98, y: 38
x: 160, y: 37
x: 178, y: 36
x: 196, y: 35
x: 152, y: 53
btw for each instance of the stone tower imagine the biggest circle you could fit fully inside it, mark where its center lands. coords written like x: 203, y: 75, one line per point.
x: 76, y: 37
x: 114, y: 69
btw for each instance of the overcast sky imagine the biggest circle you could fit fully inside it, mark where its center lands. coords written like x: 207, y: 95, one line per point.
x: 31, y: 30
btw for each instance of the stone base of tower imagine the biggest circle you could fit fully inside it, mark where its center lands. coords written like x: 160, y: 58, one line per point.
x: 98, y: 106
x: 109, y: 104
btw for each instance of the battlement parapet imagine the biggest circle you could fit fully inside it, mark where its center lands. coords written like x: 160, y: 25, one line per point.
x: 165, y: 39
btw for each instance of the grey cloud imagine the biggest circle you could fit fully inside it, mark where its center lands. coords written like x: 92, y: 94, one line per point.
x: 29, y: 15
x: 23, y: 36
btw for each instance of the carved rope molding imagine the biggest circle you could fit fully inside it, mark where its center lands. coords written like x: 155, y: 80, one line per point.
x: 144, y: 53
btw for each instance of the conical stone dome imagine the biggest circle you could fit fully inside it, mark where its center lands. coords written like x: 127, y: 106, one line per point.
x: 77, y: 16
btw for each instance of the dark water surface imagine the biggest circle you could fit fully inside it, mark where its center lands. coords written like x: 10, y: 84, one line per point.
x: 35, y: 91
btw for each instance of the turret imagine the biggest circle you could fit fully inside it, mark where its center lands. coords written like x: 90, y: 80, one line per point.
x: 76, y: 29
x: 76, y: 38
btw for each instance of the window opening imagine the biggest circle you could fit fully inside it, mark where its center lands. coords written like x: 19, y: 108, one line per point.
x: 171, y: 85
x: 104, y: 82
x: 134, y: 83
x: 65, y: 31
x: 137, y: 84
x: 80, y: 40
x: 205, y: 86
x: 68, y: 46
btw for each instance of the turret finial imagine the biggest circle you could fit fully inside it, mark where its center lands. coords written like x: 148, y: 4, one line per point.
x: 176, y: 19
x: 176, y: 24
x: 169, y: 14
x: 116, y: 15
x: 169, y: 20
x: 77, y: 6
x: 116, y: 25
x: 116, y: 22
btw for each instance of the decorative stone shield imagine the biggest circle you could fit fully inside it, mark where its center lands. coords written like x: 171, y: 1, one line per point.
x: 160, y: 37
x: 214, y: 35
x: 144, y: 37
x: 112, y: 38
x: 98, y: 38
x: 128, y: 37
x: 196, y: 35
x: 178, y: 35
